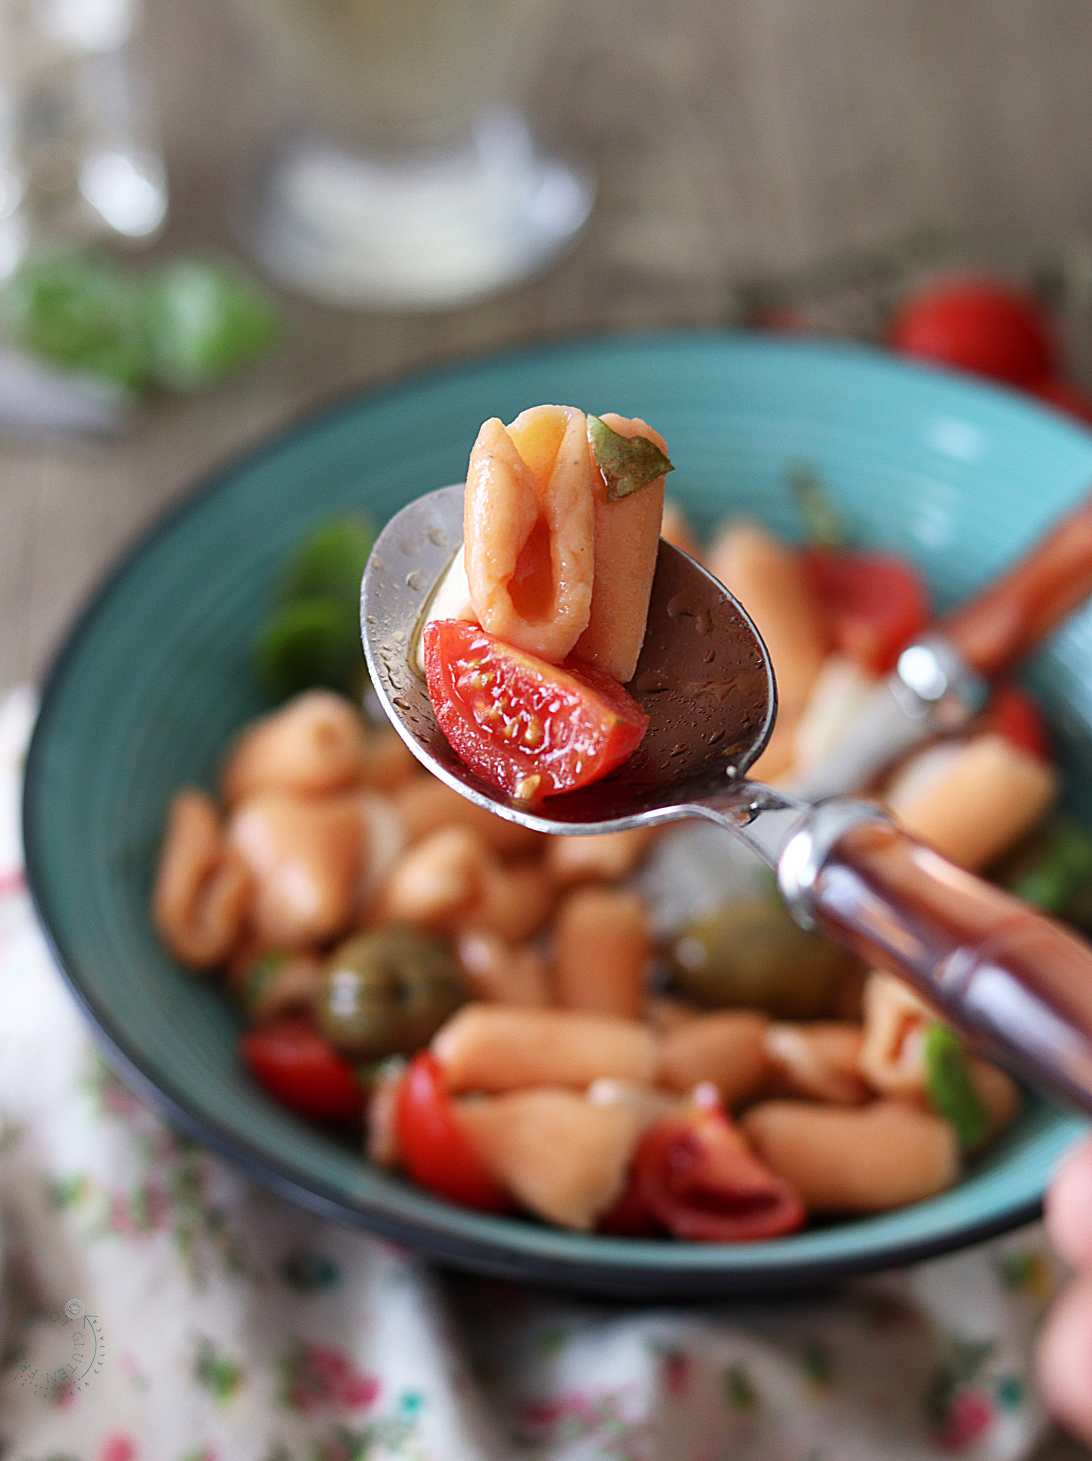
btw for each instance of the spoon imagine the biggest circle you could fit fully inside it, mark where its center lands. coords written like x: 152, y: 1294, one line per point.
x: 1011, y: 978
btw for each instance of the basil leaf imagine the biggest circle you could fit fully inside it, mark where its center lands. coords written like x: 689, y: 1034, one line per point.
x: 949, y: 1086
x: 627, y: 463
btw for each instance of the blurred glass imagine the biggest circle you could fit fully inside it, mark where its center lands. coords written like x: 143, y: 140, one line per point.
x: 79, y: 145
x: 401, y: 174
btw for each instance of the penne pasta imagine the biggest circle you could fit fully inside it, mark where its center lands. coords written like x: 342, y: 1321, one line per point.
x: 766, y: 577
x: 726, y: 1049
x: 891, y: 1056
x: 817, y: 1060
x: 306, y: 857
x: 627, y: 536
x: 529, y: 530
x: 560, y: 1155
x: 608, y: 858
x: 316, y: 744
x: 845, y: 1159
x: 203, y: 887
x: 498, y: 972
x: 426, y: 804
x: 493, y: 1047
x: 982, y: 799
x: 601, y: 948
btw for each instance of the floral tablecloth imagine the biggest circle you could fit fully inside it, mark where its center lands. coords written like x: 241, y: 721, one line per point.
x: 161, y: 1307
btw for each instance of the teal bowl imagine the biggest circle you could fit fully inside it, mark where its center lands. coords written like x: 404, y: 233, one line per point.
x: 155, y: 678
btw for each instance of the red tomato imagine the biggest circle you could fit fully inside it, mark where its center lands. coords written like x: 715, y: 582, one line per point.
x: 1066, y: 398
x: 1012, y: 713
x: 531, y: 728
x: 978, y: 325
x: 294, y: 1063
x: 694, y: 1175
x: 431, y: 1143
x: 876, y: 602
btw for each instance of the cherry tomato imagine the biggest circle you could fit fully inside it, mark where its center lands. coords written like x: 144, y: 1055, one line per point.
x: 1066, y: 398
x: 431, y: 1143
x: 531, y: 728
x: 294, y: 1063
x: 693, y: 1174
x: 1012, y: 713
x: 977, y: 325
x: 876, y: 602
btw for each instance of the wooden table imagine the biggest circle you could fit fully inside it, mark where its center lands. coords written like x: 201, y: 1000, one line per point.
x: 733, y: 137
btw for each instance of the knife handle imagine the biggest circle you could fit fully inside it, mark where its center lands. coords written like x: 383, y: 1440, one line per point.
x: 1013, y: 979
x: 996, y: 628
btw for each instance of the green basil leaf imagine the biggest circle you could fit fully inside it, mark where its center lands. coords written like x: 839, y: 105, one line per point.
x: 949, y: 1086
x: 824, y: 527
x: 627, y: 463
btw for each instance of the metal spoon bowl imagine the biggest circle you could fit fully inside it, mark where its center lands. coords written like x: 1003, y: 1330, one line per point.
x: 1012, y: 979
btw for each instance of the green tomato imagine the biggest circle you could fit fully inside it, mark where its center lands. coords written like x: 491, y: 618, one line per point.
x: 205, y: 319
x: 387, y: 992
x: 310, y: 642
x: 751, y: 955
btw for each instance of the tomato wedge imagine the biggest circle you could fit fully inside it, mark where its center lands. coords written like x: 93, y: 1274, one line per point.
x: 294, y: 1063
x: 528, y: 727
x: 431, y: 1143
x: 876, y: 602
x: 1012, y: 713
x: 1066, y: 398
x: 694, y: 1174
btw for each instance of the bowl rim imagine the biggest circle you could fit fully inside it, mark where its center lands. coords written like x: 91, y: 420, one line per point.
x: 694, y: 1270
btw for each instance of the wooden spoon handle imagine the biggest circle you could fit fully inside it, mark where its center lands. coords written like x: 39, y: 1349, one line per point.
x: 1015, y: 980
x: 994, y: 630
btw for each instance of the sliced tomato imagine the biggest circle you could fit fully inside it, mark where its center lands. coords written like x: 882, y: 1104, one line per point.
x: 978, y: 325
x: 294, y: 1063
x: 1065, y: 398
x: 1012, y: 713
x: 431, y: 1143
x: 694, y: 1175
x: 531, y: 728
x: 876, y: 602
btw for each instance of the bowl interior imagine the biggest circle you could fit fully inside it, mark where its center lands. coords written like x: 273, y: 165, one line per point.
x: 155, y: 679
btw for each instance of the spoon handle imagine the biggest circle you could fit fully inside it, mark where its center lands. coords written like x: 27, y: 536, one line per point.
x: 1004, y: 973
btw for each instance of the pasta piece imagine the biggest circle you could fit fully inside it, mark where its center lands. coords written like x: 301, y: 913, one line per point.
x: 838, y: 695
x: 202, y: 887
x: 675, y: 529
x: 426, y: 804
x: 516, y: 899
x: 271, y: 983
x: 892, y: 1053
x: 726, y: 1049
x: 382, y: 1113
x: 316, y: 744
x: 493, y: 1047
x: 306, y: 856
x: 767, y: 579
x: 390, y: 763
x: 667, y: 1013
x: 627, y: 537
x: 528, y: 530
x: 496, y: 971
x: 647, y: 1103
x: 846, y: 1159
x: 608, y: 857
x: 601, y: 947
x: 560, y: 1155
x: 438, y: 878
x: 981, y: 800
x: 817, y: 1060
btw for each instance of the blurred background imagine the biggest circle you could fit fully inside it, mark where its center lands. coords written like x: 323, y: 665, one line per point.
x: 732, y: 142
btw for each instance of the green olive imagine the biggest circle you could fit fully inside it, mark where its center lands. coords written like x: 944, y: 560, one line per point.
x: 387, y: 992
x: 750, y: 954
